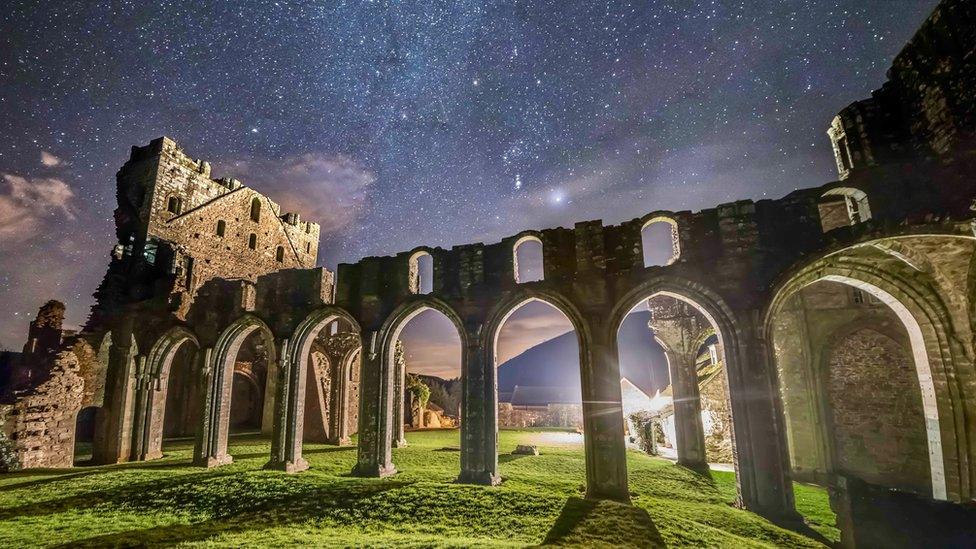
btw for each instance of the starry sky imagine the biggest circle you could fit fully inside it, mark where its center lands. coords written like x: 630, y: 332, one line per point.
x: 396, y: 124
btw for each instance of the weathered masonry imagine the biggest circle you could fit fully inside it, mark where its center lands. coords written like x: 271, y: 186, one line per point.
x: 845, y: 316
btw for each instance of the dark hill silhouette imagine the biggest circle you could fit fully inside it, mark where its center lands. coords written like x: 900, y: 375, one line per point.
x: 555, y: 363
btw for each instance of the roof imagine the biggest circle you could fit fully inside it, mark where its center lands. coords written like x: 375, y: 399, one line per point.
x: 527, y: 395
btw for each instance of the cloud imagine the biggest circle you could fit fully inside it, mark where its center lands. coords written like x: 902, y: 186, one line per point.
x: 26, y: 202
x: 49, y: 159
x: 328, y: 189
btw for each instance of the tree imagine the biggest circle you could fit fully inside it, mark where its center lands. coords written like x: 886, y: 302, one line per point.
x: 419, y: 392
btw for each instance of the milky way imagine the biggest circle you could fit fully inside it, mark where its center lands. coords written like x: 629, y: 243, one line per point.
x: 397, y: 124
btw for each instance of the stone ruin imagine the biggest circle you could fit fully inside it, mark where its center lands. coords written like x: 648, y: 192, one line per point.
x: 845, y: 316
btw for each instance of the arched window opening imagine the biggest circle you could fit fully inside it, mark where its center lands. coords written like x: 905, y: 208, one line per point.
x: 659, y: 242
x: 252, y: 241
x: 528, y: 258
x: 84, y: 435
x: 175, y: 205
x: 256, y: 209
x: 280, y: 254
x: 221, y: 227
x: 421, y: 273
x: 427, y: 362
x: 842, y: 207
x: 842, y: 150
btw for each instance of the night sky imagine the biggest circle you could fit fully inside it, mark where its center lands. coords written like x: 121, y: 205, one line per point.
x: 395, y: 125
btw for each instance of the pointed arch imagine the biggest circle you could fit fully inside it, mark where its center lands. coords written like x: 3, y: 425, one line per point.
x: 289, y: 426
x: 158, y: 365
x: 211, y: 446
x: 929, y: 324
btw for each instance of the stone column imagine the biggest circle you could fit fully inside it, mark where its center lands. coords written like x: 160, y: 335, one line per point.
x: 289, y: 413
x: 762, y: 459
x: 479, y: 414
x: 157, y: 391
x: 342, y: 350
x: 375, y: 456
x: 143, y: 408
x: 113, y: 438
x: 603, y: 420
x: 681, y: 329
x: 337, y: 401
x: 210, y: 449
x: 399, y: 383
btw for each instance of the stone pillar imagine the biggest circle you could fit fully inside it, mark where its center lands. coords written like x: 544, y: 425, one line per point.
x: 113, y: 440
x: 762, y: 460
x: 603, y: 420
x: 342, y: 351
x: 210, y: 449
x: 681, y: 329
x: 399, y: 383
x: 375, y: 456
x: 338, y: 401
x: 142, y: 410
x: 157, y: 392
x: 289, y: 413
x: 479, y: 414
x: 689, y: 433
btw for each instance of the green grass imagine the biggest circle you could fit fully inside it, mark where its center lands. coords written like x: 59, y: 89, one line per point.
x: 168, y: 502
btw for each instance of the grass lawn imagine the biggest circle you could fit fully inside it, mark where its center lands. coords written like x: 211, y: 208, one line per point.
x: 168, y: 502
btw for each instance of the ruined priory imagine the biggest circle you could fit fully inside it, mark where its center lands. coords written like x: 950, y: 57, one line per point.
x: 845, y: 317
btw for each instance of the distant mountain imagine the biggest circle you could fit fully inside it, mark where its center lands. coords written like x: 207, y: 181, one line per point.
x: 552, y: 367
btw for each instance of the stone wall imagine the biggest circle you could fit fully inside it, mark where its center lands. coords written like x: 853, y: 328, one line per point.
x: 352, y: 412
x: 876, y: 411
x: 928, y: 105
x: 219, y: 227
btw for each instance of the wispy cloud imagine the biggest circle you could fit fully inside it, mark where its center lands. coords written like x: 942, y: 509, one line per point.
x: 331, y: 190
x: 26, y: 202
x: 49, y: 159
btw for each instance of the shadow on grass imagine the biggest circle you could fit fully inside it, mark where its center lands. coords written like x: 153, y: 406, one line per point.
x: 329, y: 450
x: 234, y: 514
x: 605, y: 523
x: 508, y: 458
x: 58, y: 475
x: 122, y: 495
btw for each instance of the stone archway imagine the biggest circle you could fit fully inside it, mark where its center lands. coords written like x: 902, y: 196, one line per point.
x: 289, y: 416
x: 918, y: 305
x: 379, y: 384
x: 153, y: 392
x: 605, y: 451
x: 762, y: 476
x: 211, y: 444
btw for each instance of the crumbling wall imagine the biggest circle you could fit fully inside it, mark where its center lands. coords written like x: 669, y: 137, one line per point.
x: 935, y: 79
x: 219, y: 228
x: 42, y: 422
